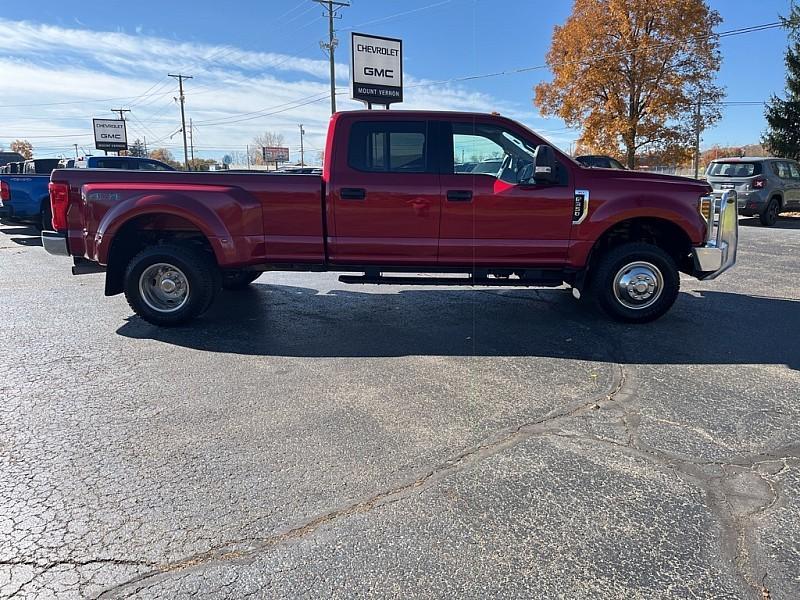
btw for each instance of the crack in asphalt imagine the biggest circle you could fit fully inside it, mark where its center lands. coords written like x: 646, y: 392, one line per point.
x: 712, y: 478
x: 44, y: 567
x: 490, y: 446
x: 620, y: 396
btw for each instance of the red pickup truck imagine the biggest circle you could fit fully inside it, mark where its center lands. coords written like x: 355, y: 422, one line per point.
x: 392, y: 202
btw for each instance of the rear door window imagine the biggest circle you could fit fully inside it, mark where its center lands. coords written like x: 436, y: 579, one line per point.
x: 392, y: 147
x: 782, y: 169
x: 794, y: 171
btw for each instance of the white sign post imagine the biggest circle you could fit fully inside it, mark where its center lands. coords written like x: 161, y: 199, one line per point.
x: 109, y: 134
x: 376, y: 69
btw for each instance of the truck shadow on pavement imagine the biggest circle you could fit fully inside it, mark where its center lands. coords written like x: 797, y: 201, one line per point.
x: 23, y: 234
x: 276, y: 320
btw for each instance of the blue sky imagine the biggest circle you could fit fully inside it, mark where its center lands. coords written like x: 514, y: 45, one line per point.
x: 66, y: 62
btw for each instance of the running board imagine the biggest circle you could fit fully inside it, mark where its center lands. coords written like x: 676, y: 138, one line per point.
x: 467, y: 281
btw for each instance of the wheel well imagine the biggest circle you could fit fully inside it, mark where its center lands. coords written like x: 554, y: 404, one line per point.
x: 148, y: 230
x: 779, y: 198
x: 666, y: 235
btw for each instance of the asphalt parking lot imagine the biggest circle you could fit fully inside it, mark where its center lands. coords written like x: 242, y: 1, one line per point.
x: 307, y: 439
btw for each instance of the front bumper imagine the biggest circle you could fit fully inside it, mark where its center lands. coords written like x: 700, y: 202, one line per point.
x: 718, y: 254
x: 55, y: 243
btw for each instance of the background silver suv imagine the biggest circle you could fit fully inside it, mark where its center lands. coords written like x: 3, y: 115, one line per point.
x: 764, y: 186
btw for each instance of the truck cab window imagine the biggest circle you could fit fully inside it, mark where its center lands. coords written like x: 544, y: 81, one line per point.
x: 490, y: 150
x: 399, y: 147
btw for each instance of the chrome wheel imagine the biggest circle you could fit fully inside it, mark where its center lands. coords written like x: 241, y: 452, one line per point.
x: 164, y: 287
x: 638, y: 285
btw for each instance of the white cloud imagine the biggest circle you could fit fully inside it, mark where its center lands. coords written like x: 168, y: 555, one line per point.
x: 82, y: 74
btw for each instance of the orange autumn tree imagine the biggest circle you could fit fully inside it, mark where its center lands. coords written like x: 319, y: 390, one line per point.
x: 630, y: 73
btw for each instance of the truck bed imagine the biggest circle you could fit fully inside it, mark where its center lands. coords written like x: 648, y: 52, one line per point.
x: 248, y: 218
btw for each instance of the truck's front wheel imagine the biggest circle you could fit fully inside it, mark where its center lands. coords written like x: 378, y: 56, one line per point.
x: 636, y: 282
x: 170, y: 284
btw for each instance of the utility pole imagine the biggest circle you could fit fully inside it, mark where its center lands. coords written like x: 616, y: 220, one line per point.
x: 180, y: 79
x: 76, y: 151
x: 145, y: 145
x: 697, y: 139
x: 333, y: 7
x: 191, y: 138
x: 302, y: 133
x: 121, y: 112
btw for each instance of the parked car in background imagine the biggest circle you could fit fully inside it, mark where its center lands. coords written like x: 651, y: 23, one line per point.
x: 9, y: 157
x: 300, y: 170
x: 128, y: 163
x: 599, y: 161
x: 490, y: 166
x: 12, y: 167
x: 40, y: 166
x: 24, y: 194
x: 765, y: 187
x: 464, y: 167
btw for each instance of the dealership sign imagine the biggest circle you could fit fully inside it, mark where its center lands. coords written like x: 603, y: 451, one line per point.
x: 274, y: 154
x: 376, y: 69
x: 109, y: 134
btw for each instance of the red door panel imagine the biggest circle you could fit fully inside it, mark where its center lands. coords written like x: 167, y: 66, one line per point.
x: 504, y: 224
x: 396, y: 220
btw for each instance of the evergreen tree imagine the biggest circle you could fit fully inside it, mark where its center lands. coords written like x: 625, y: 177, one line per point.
x: 782, y: 137
x: 137, y: 148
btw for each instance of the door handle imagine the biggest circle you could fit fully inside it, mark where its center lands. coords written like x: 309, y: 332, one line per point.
x: 353, y: 193
x: 459, y: 195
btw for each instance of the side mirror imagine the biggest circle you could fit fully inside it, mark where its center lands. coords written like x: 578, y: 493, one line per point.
x: 544, y: 165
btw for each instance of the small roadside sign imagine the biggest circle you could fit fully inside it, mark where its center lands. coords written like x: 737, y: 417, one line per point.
x: 109, y: 134
x: 275, y: 154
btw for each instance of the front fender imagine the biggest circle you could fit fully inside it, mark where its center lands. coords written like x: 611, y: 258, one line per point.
x: 607, y: 210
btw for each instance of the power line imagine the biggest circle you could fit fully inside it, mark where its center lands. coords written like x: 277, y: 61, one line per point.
x: 732, y: 32
x: 275, y: 112
x: 262, y: 111
x: 397, y: 15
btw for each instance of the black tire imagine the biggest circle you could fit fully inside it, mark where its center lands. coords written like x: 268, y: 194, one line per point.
x: 238, y: 280
x: 189, y: 269
x: 639, y: 264
x: 769, y: 216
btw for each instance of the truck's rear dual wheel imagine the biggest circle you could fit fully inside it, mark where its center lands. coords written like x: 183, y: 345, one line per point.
x: 635, y: 282
x: 170, y: 284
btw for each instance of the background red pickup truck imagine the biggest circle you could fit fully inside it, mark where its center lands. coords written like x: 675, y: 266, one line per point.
x: 390, y: 200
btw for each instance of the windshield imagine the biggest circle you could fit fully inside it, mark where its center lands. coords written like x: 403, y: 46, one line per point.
x: 733, y: 169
